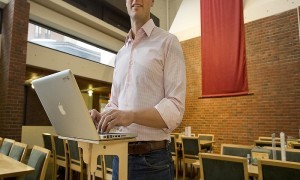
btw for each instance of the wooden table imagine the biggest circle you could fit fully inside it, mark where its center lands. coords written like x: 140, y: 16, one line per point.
x: 91, y: 151
x: 10, y: 167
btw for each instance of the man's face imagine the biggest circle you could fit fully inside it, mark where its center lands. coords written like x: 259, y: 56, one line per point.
x: 139, y: 9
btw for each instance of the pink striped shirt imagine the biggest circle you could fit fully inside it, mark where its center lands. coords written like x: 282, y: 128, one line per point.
x: 150, y: 72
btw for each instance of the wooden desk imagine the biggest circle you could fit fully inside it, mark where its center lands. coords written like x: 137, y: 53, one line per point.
x: 91, y: 152
x: 10, y: 167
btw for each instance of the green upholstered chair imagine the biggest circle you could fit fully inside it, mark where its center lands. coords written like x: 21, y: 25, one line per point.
x: 223, y: 167
x: 61, y: 155
x: 38, y: 159
x: 208, y: 137
x: 107, y: 165
x: 18, y: 151
x: 235, y: 150
x: 6, y: 146
x: 75, y: 159
x: 49, y: 144
x: 190, y: 150
x: 278, y: 170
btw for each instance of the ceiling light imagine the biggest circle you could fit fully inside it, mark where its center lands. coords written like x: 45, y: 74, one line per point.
x: 90, y: 92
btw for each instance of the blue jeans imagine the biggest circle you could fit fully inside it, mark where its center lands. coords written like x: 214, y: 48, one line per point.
x: 156, y: 165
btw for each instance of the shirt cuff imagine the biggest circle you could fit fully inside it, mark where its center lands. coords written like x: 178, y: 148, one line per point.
x: 170, y: 114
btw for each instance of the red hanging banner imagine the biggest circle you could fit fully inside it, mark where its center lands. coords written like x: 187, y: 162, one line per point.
x: 224, y: 70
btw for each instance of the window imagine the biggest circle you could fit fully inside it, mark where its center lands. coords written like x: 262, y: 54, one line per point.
x: 63, y: 43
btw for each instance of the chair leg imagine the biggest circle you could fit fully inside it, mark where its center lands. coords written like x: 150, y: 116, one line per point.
x: 184, y: 166
x: 66, y: 173
x: 176, y: 170
x: 55, y: 171
x: 71, y: 174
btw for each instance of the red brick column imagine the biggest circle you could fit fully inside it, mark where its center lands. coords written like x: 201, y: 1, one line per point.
x: 13, y: 68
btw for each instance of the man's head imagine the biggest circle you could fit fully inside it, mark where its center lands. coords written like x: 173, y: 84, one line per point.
x: 139, y: 10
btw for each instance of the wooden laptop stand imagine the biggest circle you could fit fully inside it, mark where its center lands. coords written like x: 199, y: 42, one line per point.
x: 91, y: 151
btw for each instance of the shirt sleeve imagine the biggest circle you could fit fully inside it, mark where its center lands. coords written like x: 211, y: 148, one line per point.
x: 113, y: 99
x: 171, y: 107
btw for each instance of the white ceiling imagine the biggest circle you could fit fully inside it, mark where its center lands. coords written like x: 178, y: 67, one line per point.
x: 186, y: 24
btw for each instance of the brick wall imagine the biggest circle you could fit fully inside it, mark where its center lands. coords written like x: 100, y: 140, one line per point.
x: 273, y: 64
x: 12, y: 68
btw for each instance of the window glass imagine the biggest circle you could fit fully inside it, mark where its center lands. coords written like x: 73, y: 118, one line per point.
x: 54, y: 40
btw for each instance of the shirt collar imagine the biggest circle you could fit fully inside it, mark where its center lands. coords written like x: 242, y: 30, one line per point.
x: 147, y: 27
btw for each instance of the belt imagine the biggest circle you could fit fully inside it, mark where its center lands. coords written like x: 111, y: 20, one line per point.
x: 144, y: 147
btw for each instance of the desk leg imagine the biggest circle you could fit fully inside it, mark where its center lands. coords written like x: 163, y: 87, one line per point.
x: 87, y: 149
x: 120, y: 149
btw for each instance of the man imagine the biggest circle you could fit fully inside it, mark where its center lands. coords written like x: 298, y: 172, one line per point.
x: 147, y: 96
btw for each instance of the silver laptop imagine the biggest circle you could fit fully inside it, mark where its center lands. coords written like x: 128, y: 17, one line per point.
x: 66, y: 109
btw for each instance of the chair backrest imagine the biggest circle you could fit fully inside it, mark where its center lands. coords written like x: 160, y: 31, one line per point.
x: 263, y: 138
x: 74, y: 151
x: 295, y: 145
x: 6, y: 146
x: 292, y: 155
x: 60, y: 147
x: 265, y: 143
x: 48, y: 141
x: 277, y: 170
x: 18, y: 151
x: 209, y: 137
x: 190, y: 147
x: 215, y: 166
x: 173, y: 145
x: 38, y: 159
x: 235, y: 150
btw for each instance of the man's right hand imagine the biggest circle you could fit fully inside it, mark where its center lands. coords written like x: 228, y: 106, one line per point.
x: 96, y: 116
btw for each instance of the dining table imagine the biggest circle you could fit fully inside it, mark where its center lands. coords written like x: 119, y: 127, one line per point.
x: 10, y: 167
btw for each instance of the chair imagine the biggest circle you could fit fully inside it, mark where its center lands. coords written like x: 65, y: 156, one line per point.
x: 208, y: 137
x: 99, y: 171
x: 18, y: 151
x: 235, y: 150
x: 263, y: 138
x: 108, y: 163
x: 38, y: 159
x: 75, y: 158
x: 6, y: 146
x: 292, y: 155
x: 1, y: 140
x: 215, y: 166
x: 265, y: 143
x: 49, y: 144
x: 61, y: 157
x: 295, y: 145
x: 190, y: 150
x: 175, y: 155
x: 278, y: 170
x: 104, y: 167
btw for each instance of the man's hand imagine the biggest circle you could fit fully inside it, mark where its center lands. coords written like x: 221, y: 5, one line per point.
x: 112, y: 118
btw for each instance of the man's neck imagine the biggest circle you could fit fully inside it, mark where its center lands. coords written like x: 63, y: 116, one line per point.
x: 136, y: 26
